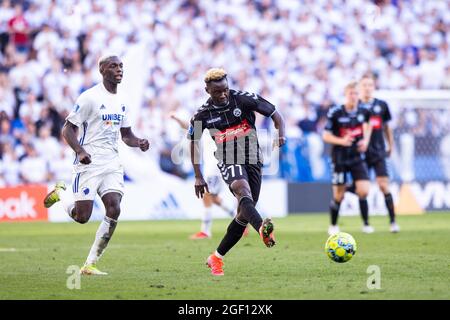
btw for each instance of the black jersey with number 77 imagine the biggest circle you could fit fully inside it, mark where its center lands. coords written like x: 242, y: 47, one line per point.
x: 232, y: 127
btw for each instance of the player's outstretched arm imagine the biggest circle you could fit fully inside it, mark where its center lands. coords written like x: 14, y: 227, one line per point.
x: 278, y: 122
x: 200, y: 184
x: 131, y: 140
x: 259, y: 104
x: 70, y: 134
x: 182, y: 123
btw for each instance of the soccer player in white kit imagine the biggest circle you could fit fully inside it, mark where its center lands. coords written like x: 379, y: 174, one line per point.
x: 92, y: 130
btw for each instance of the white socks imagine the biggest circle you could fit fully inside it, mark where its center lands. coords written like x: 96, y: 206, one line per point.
x: 207, y: 217
x: 207, y: 221
x: 104, y: 231
x: 218, y: 255
x: 102, y: 237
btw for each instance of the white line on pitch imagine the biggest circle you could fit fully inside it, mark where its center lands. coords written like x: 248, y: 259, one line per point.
x: 15, y: 249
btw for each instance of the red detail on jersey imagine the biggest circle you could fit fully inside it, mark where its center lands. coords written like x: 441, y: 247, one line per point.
x: 237, y: 131
x: 376, y: 122
x: 354, y: 132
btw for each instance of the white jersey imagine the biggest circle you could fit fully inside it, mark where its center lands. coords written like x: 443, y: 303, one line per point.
x: 99, y: 115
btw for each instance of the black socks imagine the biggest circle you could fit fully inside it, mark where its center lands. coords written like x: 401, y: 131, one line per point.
x: 233, y: 235
x: 334, y: 211
x: 364, y: 208
x: 390, y: 206
x: 248, y: 213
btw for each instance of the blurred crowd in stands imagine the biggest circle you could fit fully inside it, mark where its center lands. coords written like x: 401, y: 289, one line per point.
x: 297, y: 54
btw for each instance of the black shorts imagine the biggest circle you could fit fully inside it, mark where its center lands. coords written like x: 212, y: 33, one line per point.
x: 250, y: 172
x: 358, y: 171
x: 379, y: 166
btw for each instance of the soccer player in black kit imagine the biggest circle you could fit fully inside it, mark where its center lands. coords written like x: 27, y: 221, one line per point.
x: 229, y: 115
x: 377, y: 151
x: 348, y: 131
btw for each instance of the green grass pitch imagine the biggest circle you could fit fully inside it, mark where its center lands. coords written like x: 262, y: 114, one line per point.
x: 155, y: 260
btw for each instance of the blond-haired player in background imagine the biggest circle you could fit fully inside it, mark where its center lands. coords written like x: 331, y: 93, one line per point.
x: 348, y: 131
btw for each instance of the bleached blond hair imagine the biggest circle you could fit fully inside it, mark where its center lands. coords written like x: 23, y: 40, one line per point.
x: 215, y: 74
x: 351, y: 85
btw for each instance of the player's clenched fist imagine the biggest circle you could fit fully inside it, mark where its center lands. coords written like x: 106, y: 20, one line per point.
x: 85, y: 158
x: 363, y: 145
x: 281, y: 141
x: 144, y: 144
x: 347, y: 140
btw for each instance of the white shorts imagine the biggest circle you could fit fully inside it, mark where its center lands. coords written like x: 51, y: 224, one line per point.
x: 214, y: 184
x: 87, y: 184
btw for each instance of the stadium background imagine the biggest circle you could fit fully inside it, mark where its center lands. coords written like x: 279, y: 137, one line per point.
x: 297, y: 54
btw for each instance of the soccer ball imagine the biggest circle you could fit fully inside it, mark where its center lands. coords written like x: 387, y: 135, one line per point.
x: 340, y: 247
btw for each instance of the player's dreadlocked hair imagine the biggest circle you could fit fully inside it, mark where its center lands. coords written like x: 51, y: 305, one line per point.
x: 215, y: 74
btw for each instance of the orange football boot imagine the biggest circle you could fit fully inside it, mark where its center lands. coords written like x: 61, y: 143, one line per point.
x: 199, y: 235
x: 215, y: 264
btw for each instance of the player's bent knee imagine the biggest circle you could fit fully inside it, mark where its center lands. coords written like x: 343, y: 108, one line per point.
x: 338, y: 197
x: 112, y: 204
x: 241, y: 189
x: 384, y: 186
x: 113, y: 211
x: 363, y: 192
x: 362, y: 188
x: 82, y: 219
x: 363, y: 195
x: 384, y: 189
x: 338, y: 193
x: 83, y: 211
